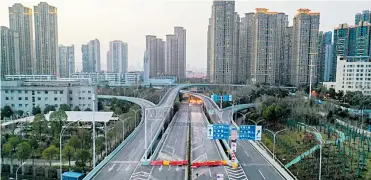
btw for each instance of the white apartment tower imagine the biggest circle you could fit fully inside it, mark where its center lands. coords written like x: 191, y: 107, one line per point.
x: 305, y: 47
x: 91, y: 56
x: 117, y: 57
x: 66, y: 61
x: 245, y: 49
x: 221, y: 62
x: 171, y: 55
x: 155, y: 55
x: 180, y: 34
x: 20, y: 21
x: 46, y: 39
x: 267, y: 56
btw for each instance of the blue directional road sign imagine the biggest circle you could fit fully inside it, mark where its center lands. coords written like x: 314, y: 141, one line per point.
x: 227, y: 97
x: 218, y: 131
x: 250, y: 132
x: 215, y: 97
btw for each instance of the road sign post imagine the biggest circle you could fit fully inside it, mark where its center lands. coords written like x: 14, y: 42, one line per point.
x: 250, y: 132
x: 218, y: 131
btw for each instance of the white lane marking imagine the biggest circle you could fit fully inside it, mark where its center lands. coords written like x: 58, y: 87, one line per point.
x: 176, y: 140
x: 247, y: 154
x: 169, y: 168
x: 210, y: 173
x: 160, y: 168
x: 261, y: 174
x: 127, y: 168
x: 134, y: 171
x: 110, y: 169
x: 118, y: 169
x: 149, y: 175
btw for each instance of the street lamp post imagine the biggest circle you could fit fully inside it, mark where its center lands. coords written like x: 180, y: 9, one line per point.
x: 94, y: 161
x: 320, y: 154
x: 123, y: 127
x: 256, y: 122
x: 60, y: 144
x: 16, y: 172
x: 274, y: 140
x: 135, y: 111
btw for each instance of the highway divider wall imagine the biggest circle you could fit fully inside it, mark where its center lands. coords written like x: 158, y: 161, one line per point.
x: 188, y: 172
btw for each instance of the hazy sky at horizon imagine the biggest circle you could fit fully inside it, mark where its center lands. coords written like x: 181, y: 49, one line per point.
x: 130, y: 20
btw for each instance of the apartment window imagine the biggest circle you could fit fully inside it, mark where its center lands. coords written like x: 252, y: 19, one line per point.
x: 11, y: 98
x: 20, y: 98
x: 60, y: 92
x: 6, y: 91
x: 89, y: 105
x: 19, y: 105
x: 61, y: 99
x: 46, y: 92
x: 55, y: 99
x: 79, y: 97
x: 38, y: 92
x: 83, y: 105
x: 71, y: 105
x: 83, y: 91
x: 89, y: 98
x: 39, y: 98
x: 56, y: 105
x: 13, y: 105
x: 55, y: 92
x: 26, y: 98
x: 11, y: 91
x: 70, y: 92
x: 25, y: 105
x: 70, y: 99
x: 89, y: 91
x: 6, y: 98
x: 19, y: 91
x: 26, y: 92
x: 46, y: 98
x: 83, y: 98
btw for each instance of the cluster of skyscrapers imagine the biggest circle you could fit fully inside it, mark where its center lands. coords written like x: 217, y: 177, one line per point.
x: 166, y: 58
x: 24, y: 52
x: 261, y: 47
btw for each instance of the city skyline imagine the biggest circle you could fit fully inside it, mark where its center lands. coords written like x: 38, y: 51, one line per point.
x: 73, y: 29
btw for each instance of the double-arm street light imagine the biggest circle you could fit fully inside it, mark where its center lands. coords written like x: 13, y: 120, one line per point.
x: 255, y: 122
x: 123, y: 127
x: 135, y: 111
x: 60, y: 144
x: 274, y: 140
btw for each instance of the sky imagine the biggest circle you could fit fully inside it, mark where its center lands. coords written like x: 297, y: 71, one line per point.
x: 130, y: 20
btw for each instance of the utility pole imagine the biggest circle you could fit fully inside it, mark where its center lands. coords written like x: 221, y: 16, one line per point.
x: 311, y: 74
x: 94, y: 161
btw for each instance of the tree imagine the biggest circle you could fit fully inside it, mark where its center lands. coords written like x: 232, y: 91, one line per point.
x: 50, y: 153
x: 77, y: 108
x: 118, y: 111
x: 10, y: 150
x: 7, y: 111
x: 331, y: 92
x: 23, y: 151
x: 34, y: 145
x: 49, y: 108
x: 100, y: 106
x: 36, y: 110
x: 87, y: 109
x: 65, y: 107
x: 100, y: 144
x: 39, y: 125
x: 83, y: 156
x: 74, y: 142
x: 20, y: 113
x: 57, y: 119
x: 68, y: 153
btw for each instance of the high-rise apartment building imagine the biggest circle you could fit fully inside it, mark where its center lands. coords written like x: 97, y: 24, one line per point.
x: 175, y: 53
x: 245, y: 49
x: 66, y: 61
x: 9, y: 52
x: 155, y: 55
x: 287, y: 55
x: 46, y: 39
x: 267, y: 51
x: 180, y: 34
x: 350, y: 41
x: 364, y: 16
x: 221, y: 43
x: 171, y: 55
x: 91, y: 56
x: 324, y: 56
x: 305, y: 47
x: 117, y: 57
x: 20, y: 21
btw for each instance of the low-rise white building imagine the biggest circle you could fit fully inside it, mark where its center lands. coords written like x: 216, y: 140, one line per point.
x: 29, y: 77
x: 353, y: 73
x: 133, y: 78
x: 112, y: 79
x: 27, y: 94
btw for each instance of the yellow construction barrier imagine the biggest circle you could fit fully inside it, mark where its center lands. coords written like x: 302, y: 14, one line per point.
x: 166, y: 163
x: 224, y: 162
x: 234, y: 165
